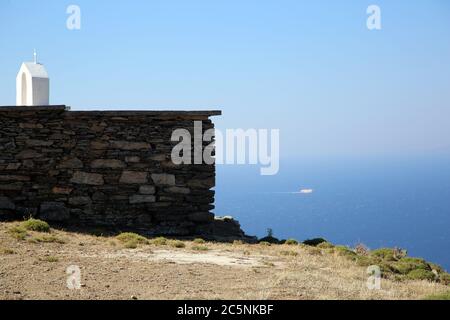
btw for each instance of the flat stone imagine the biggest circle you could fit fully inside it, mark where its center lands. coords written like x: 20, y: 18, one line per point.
x: 13, y: 166
x: 31, y: 126
x: 28, y: 154
x: 129, y: 145
x: 71, y: 163
x: 147, y: 189
x: 57, y: 136
x: 179, y: 190
x: 142, y: 199
x: 80, y: 201
x: 6, y: 204
x: 134, y: 177
x: 132, y: 159
x: 202, y: 183
x: 62, y: 190
x: 107, y: 164
x: 158, y: 157
x: 38, y: 143
x: 29, y: 164
x: 93, y: 179
x: 14, y: 178
x: 54, y: 211
x: 17, y: 186
x: 99, y: 145
x: 99, y: 196
x: 163, y: 179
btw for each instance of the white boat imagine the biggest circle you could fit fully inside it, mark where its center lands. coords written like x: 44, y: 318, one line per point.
x: 306, y: 191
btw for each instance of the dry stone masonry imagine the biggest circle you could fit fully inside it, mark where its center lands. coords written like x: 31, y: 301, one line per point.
x: 109, y: 169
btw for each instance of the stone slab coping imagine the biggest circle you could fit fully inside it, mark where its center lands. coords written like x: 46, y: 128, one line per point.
x: 112, y: 113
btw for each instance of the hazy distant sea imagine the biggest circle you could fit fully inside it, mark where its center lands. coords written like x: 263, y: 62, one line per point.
x: 402, y: 202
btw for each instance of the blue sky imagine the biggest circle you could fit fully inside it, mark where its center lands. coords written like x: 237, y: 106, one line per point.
x: 310, y: 68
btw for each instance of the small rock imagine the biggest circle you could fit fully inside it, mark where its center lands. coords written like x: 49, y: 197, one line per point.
x: 134, y: 177
x: 163, y: 179
x: 93, y: 179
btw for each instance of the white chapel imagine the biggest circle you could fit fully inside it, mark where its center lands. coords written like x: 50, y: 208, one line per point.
x: 32, y: 84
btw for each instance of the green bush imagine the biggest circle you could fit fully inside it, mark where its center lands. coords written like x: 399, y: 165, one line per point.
x: 386, y: 254
x: 177, y: 244
x: 314, y: 242
x: 160, y: 241
x: 131, y: 237
x: 344, y: 251
x: 265, y: 243
x: 36, y: 225
x: 366, y: 261
x: 18, y: 233
x: 199, y: 241
x: 421, y: 274
x: 131, y: 244
x: 444, y: 278
x: 291, y: 242
x: 407, y: 264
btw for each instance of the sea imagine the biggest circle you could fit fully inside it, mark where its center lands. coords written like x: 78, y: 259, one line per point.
x: 380, y: 202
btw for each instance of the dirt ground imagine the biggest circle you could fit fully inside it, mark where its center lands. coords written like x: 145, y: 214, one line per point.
x: 31, y: 269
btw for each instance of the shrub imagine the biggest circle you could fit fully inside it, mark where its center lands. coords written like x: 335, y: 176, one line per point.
x: 131, y: 244
x: 421, y: 274
x: 50, y: 259
x: 384, y: 254
x: 444, y: 278
x: 436, y: 267
x: 131, y: 237
x: 265, y: 243
x: 344, y: 251
x: 291, y: 242
x: 270, y: 240
x: 18, y: 233
x: 325, y: 245
x: 406, y: 265
x: 200, y: 248
x: 199, y: 241
x: 366, y: 261
x: 160, y: 241
x: 238, y: 242
x: 7, y: 251
x: 36, y: 225
x: 314, y: 242
x: 46, y: 239
x: 177, y: 244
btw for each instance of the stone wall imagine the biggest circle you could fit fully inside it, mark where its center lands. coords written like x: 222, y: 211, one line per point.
x: 105, y: 169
